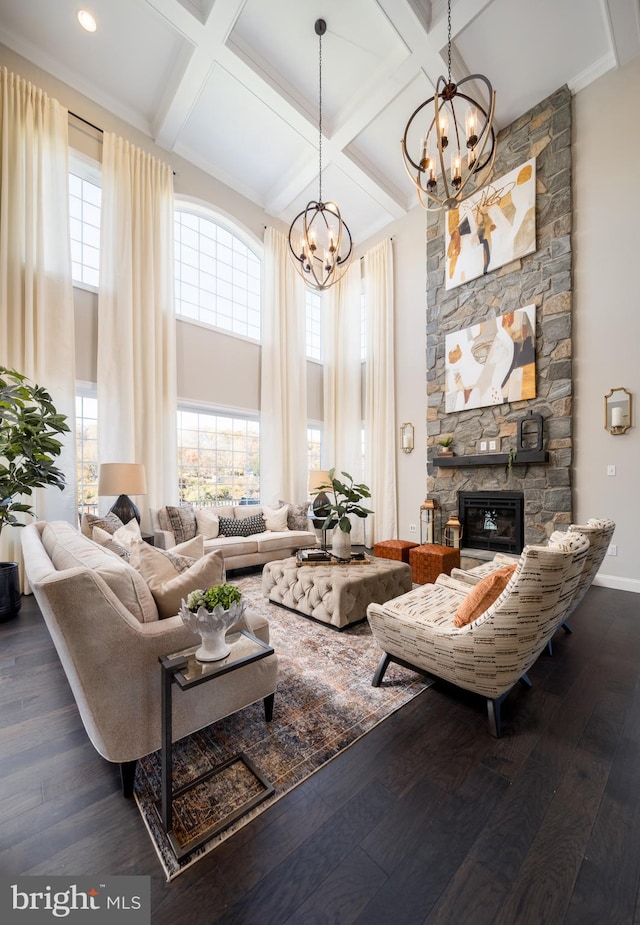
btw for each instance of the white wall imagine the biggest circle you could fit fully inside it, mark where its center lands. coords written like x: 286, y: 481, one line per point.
x: 607, y: 309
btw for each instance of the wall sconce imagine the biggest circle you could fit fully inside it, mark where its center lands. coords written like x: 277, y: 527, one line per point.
x: 406, y: 437
x: 617, y: 411
x: 453, y: 532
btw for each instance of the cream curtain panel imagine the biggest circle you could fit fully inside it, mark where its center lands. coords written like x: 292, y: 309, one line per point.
x: 342, y: 381
x: 283, y: 389
x: 36, y: 294
x: 136, y: 319
x: 380, y: 421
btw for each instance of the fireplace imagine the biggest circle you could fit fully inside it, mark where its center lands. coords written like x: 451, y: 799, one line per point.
x: 492, y: 520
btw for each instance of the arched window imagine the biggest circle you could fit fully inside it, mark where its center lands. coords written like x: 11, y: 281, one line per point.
x: 217, y: 275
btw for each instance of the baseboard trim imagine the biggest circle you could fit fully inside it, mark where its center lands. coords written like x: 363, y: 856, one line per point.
x: 618, y: 584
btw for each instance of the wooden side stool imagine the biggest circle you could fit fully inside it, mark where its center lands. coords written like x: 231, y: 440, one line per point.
x: 431, y: 560
x: 394, y: 549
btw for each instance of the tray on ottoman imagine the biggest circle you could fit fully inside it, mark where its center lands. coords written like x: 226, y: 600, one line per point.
x: 337, y: 595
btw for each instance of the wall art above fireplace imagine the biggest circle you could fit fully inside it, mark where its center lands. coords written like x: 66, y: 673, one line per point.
x: 492, y: 227
x: 492, y: 362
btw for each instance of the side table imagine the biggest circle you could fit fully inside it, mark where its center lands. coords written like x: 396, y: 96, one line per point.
x: 183, y: 669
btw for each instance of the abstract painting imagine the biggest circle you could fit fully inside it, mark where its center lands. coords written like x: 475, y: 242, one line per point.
x: 492, y: 362
x: 492, y: 227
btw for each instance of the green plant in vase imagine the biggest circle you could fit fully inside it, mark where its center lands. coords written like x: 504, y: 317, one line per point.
x: 445, y: 446
x: 347, y: 495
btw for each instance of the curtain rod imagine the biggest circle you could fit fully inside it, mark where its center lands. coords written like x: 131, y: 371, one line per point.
x: 95, y: 127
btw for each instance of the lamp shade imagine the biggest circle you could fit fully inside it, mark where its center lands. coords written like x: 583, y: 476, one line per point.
x: 122, y: 479
x: 318, y: 479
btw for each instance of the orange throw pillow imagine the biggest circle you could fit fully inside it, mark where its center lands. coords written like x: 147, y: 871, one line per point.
x: 482, y: 596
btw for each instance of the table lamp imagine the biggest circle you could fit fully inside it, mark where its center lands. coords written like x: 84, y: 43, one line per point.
x: 123, y: 479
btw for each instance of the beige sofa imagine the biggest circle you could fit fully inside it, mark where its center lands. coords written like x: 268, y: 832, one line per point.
x: 239, y: 551
x: 104, y: 624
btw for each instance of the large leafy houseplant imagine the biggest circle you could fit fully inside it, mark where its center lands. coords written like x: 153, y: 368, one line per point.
x: 29, y: 444
x: 346, y: 497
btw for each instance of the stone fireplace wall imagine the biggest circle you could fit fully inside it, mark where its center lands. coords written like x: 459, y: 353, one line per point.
x: 543, y: 278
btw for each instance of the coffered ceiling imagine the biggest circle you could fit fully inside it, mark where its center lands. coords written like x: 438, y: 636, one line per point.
x: 232, y: 85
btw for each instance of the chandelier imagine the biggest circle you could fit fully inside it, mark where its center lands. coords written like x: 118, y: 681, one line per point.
x: 439, y: 125
x: 320, y: 243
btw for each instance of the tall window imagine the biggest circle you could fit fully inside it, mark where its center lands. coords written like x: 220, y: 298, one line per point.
x: 313, y: 306
x: 217, y: 276
x: 85, y: 199
x: 218, y: 458
x: 87, y: 452
x: 314, y: 444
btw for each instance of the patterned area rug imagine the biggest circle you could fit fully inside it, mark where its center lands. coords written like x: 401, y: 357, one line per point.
x: 323, y: 704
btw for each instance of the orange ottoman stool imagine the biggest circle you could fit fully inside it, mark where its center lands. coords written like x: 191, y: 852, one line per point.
x: 394, y: 549
x: 431, y: 560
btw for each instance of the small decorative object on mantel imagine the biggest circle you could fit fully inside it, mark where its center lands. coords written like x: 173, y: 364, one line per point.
x: 617, y: 411
x: 445, y: 446
x: 530, y: 430
x: 210, y: 614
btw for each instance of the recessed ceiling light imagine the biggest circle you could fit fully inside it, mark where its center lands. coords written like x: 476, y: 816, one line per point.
x: 87, y: 21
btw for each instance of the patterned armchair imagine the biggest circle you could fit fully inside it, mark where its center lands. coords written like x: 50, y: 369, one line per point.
x: 599, y: 533
x: 495, y: 651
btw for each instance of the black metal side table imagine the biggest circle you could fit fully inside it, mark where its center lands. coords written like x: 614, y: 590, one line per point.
x: 183, y: 669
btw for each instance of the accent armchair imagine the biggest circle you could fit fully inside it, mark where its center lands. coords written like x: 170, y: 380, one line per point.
x: 495, y: 651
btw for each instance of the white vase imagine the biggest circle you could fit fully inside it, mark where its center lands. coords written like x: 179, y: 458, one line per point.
x: 341, y: 544
x: 212, y: 625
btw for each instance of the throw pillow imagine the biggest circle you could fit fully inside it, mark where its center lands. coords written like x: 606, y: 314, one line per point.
x: 207, y: 523
x: 107, y: 541
x: 169, y: 592
x: 128, y: 534
x: 110, y: 522
x: 179, y: 557
x: 182, y: 522
x: 483, y: 595
x: 247, y: 526
x: 297, y: 516
x: 276, y: 518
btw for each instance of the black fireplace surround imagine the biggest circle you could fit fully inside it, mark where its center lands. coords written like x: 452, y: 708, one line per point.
x: 492, y: 520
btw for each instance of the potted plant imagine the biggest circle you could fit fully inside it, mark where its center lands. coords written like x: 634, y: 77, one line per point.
x: 210, y: 613
x: 346, y: 497
x: 445, y: 446
x: 29, y: 445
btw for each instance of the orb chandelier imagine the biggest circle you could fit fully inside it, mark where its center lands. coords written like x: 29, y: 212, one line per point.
x: 320, y: 244
x: 439, y: 125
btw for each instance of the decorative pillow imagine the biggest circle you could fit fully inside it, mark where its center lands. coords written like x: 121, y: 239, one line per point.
x: 297, y: 516
x: 233, y: 526
x: 483, y: 595
x: 207, y: 523
x: 169, y: 592
x: 110, y: 522
x: 128, y: 534
x: 181, y: 520
x: 276, y: 518
x: 180, y: 557
x: 107, y: 541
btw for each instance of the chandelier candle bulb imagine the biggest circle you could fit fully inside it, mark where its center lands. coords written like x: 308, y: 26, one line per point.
x: 471, y: 126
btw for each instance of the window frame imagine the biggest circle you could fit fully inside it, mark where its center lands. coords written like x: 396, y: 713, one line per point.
x: 89, y: 171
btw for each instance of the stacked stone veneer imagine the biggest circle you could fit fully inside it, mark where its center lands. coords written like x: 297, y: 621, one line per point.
x: 543, y: 278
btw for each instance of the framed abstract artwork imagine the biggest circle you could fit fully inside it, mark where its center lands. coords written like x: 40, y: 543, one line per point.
x: 492, y: 227
x: 492, y: 362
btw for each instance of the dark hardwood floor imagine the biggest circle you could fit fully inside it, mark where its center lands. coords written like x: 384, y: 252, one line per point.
x: 427, y: 819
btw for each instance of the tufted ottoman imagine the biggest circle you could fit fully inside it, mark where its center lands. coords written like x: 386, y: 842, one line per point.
x: 334, y: 594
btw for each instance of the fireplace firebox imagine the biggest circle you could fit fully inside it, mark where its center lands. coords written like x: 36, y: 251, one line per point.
x: 492, y: 520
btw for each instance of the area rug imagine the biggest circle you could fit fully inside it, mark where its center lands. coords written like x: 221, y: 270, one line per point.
x: 323, y: 704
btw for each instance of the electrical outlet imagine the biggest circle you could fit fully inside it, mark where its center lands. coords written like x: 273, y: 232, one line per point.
x: 611, y: 470
x: 413, y: 528
x: 612, y: 550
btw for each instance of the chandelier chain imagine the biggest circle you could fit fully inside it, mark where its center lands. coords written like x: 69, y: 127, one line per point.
x: 449, y: 41
x: 320, y: 120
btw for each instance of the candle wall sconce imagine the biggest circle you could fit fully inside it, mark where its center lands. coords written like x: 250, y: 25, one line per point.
x: 617, y: 411
x: 406, y: 437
